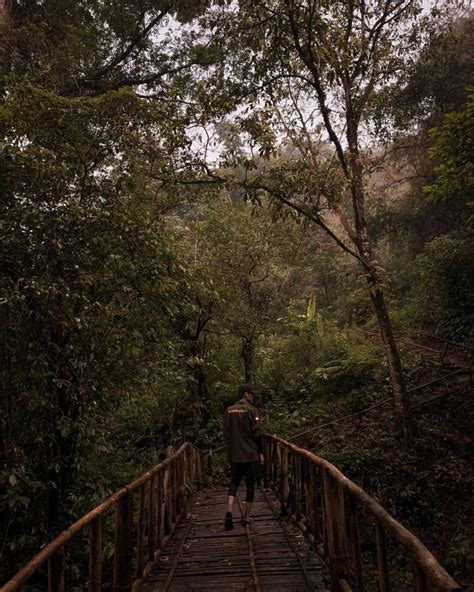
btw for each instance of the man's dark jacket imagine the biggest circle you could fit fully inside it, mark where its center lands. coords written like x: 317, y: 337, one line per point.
x: 242, y: 432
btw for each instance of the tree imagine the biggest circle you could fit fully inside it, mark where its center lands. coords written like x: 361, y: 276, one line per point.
x: 446, y: 296
x: 91, y: 48
x: 435, y: 81
x: 256, y: 266
x: 86, y: 270
x: 335, y: 57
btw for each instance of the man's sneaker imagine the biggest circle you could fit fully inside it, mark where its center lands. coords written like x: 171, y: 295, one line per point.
x: 228, y: 522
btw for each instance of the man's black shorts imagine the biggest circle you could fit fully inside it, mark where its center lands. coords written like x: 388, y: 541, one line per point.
x: 250, y: 470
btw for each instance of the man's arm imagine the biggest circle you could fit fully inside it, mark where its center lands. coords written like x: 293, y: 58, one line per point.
x: 226, y: 436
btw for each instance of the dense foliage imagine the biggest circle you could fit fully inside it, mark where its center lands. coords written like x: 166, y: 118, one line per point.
x: 193, y: 196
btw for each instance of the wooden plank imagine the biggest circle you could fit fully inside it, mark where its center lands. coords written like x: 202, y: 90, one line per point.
x: 209, y: 558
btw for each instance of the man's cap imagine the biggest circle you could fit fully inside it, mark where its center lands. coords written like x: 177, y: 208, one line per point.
x: 246, y: 388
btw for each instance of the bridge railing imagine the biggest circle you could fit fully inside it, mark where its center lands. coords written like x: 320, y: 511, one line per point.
x: 328, y: 508
x: 146, y: 513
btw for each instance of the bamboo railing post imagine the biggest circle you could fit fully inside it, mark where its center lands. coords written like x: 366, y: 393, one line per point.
x: 95, y: 556
x: 271, y: 461
x: 318, y: 528
x: 122, y: 571
x: 326, y: 490
x: 176, y: 492
x: 309, y: 497
x: 298, y: 486
x: 151, y: 519
x: 197, y: 478
x: 266, y: 466
x: 275, y: 465
x: 355, y: 546
x: 184, y: 476
x: 278, y: 463
x: 324, y: 512
x: 196, y: 474
x: 166, y: 501
x: 184, y: 481
x: 159, y: 510
x: 419, y: 579
x: 192, y: 464
x: 284, y: 484
x: 179, y: 487
x: 170, y: 497
x: 56, y: 577
x: 382, y: 559
x: 173, y: 493
x: 291, y: 477
x: 336, y: 530
x: 141, y: 531
x: 309, y: 486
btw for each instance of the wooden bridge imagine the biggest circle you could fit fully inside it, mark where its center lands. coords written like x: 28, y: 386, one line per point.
x: 313, y: 529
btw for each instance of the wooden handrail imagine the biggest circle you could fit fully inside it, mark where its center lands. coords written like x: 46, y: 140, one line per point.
x: 328, y: 514
x: 185, y: 466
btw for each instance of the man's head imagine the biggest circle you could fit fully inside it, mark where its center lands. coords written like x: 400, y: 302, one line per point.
x: 247, y: 392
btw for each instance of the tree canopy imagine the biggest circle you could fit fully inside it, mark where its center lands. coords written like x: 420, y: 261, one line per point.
x: 194, y: 195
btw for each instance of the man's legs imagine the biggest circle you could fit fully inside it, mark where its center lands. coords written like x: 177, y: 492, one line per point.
x: 237, y: 471
x: 250, y: 494
x: 230, y: 502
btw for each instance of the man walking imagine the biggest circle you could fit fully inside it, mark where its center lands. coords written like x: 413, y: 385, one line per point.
x: 244, y: 449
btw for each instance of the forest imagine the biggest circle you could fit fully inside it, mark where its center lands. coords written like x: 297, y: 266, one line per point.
x: 195, y: 194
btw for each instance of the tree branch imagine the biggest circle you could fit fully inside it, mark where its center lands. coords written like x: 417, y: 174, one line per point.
x: 313, y: 217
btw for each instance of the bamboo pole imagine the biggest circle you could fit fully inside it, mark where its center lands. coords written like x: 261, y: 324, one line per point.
x: 173, y: 494
x: 95, y: 556
x: 336, y: 530
x: 166, y: 501
x: 266, y: 466
x: 141, y: 531
x: 382, y: 559
x: 291, y: 482
x: 413, y: 547
x: 284, y: 483
x: 56, y: 577
x: 354, y: 533
x: 324, y: 515
x: 23, y: 575
x: 159, y: 511
x: 151, y: 542
x: 419, y: 579
x: 310, y: 494
x: 122, y: 571
x: 298, y: 486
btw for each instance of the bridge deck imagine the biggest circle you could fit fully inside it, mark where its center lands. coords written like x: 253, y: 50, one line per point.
x: 269, y: 555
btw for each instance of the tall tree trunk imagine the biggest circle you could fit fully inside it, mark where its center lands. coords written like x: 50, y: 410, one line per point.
x: 401, y: 401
